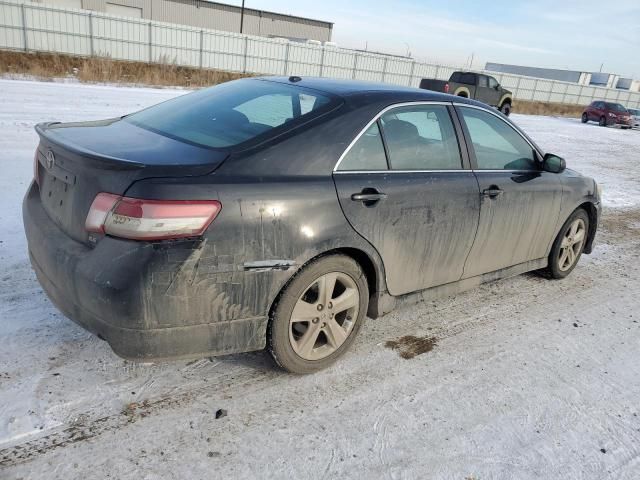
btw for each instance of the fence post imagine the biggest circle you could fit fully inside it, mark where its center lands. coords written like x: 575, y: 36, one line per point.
x: 24, y: 29
x: 384, y: 69
x: 413, y: 67
x: 322, y: 61
x: 550, y: 91
x: 91, y: 48
x: 246, y: 48
x: 150, y: 43
x: 535, y: 89
x: 437, y: 70
x: 564, y: 95
x: 518, y: 87
x: 355, y: 65
x: 286, y: 57
x: 201, y: 46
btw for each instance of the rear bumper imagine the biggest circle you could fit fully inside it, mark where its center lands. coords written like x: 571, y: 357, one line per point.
x: 140, y: 297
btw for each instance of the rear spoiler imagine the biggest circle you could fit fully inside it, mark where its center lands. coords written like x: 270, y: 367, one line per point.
x: 45, y: 131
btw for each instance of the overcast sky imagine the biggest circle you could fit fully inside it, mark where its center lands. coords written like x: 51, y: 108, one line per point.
x: 572, y: 34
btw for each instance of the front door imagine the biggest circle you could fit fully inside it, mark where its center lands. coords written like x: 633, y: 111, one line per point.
x: 520, y: 203
x: 404, y: 187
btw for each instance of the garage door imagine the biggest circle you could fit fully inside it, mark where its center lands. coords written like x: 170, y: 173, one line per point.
x: 123, y: 10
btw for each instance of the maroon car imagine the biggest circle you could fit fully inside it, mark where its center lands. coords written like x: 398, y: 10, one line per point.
x: 607, y: 113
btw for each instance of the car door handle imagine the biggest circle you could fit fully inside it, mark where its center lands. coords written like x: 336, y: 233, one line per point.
x: 492, y: 192
x: 368, y: 196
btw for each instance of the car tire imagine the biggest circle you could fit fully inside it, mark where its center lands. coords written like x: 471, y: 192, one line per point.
x: 506, y: 108
x: 319, y: 333
x: 568, y: 245
x: 602, y: 122
x: 585, y: 118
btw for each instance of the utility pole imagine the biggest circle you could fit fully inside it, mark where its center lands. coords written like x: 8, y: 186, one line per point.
x: 241, y: 16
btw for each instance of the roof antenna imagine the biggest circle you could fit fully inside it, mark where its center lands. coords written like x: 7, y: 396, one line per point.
x: 294, y: 78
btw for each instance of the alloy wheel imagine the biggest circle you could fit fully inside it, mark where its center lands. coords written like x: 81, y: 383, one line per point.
x: 324, y: 316
x: 571, y: 245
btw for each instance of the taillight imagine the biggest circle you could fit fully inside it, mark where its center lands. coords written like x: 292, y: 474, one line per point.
x: 35, y: 168
x: 446, y: 88
x: 139, y: 219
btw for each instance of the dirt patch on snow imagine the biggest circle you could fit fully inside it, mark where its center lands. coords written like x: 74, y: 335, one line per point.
x: 410, y: 346
x: 621, y: 225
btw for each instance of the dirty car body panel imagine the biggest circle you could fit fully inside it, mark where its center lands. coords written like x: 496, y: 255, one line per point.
x: 284, y: 202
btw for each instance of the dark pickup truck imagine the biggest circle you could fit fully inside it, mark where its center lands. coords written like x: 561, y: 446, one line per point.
x: 478, y: 86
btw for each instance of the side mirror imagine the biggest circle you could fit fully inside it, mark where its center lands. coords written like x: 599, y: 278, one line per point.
x: 554, y: 164
x: 497, y: 87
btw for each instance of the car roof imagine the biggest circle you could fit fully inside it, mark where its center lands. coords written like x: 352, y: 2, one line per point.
x: 349, y: 88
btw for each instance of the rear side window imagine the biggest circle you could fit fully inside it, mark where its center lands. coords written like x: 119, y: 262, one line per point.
x: 496, y: 144
x: 233, y: 112
x: 483, y: 81
x: 367, y: 153
x: 467, y: 78
x: 421, y: 137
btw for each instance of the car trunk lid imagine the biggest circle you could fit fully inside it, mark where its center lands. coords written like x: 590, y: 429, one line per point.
x: 78, y: 161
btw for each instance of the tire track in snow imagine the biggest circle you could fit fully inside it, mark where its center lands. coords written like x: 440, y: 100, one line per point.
x: 445, y: 310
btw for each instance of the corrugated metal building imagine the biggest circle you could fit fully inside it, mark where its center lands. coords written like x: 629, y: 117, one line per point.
x: 536, y: 72
x: 211, y: 15
x: 600, y: 79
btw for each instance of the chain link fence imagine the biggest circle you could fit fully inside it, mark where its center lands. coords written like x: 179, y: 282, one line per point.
x: 45, y: 28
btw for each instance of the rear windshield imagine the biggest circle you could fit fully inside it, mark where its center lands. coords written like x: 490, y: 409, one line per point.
x: 616, y: 107
x: 232, y: 113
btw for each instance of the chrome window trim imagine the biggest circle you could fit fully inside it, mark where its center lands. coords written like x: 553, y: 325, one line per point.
x: 499, y: 116
x: 374, y: 120
x: 459, y: 170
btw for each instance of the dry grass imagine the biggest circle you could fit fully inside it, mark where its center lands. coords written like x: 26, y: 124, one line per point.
x: 46, y: 66
x: 547, y: 108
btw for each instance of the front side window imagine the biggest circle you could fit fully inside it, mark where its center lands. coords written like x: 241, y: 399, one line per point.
x: 367, y: 153
x: 421, y: 137
x: 493, y: 83
x: 497, y: 145
x: 616, y: 107
x: 232, y: 113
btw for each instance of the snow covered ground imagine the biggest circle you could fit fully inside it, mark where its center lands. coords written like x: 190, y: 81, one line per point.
x: 529, y: 378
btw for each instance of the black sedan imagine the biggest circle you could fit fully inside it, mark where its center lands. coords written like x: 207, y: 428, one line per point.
x: 280, y: 212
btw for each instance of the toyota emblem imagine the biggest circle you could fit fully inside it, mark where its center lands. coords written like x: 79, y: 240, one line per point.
x: 50, y: 159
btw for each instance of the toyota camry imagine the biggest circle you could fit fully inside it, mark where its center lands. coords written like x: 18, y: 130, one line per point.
x: 279, y: 213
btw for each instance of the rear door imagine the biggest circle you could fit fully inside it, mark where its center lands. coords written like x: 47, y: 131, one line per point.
x: 520, y: 203
x: 596, y: 111
x: 482, y: 90
x: 469, y: 81
x: 405, y: 185
x: 494, y: 92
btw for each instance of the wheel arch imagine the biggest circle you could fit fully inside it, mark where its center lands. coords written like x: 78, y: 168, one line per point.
x: 592, y: 213
x: 462, y: 92
x: 506, y: 98
x: 362, y: 258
